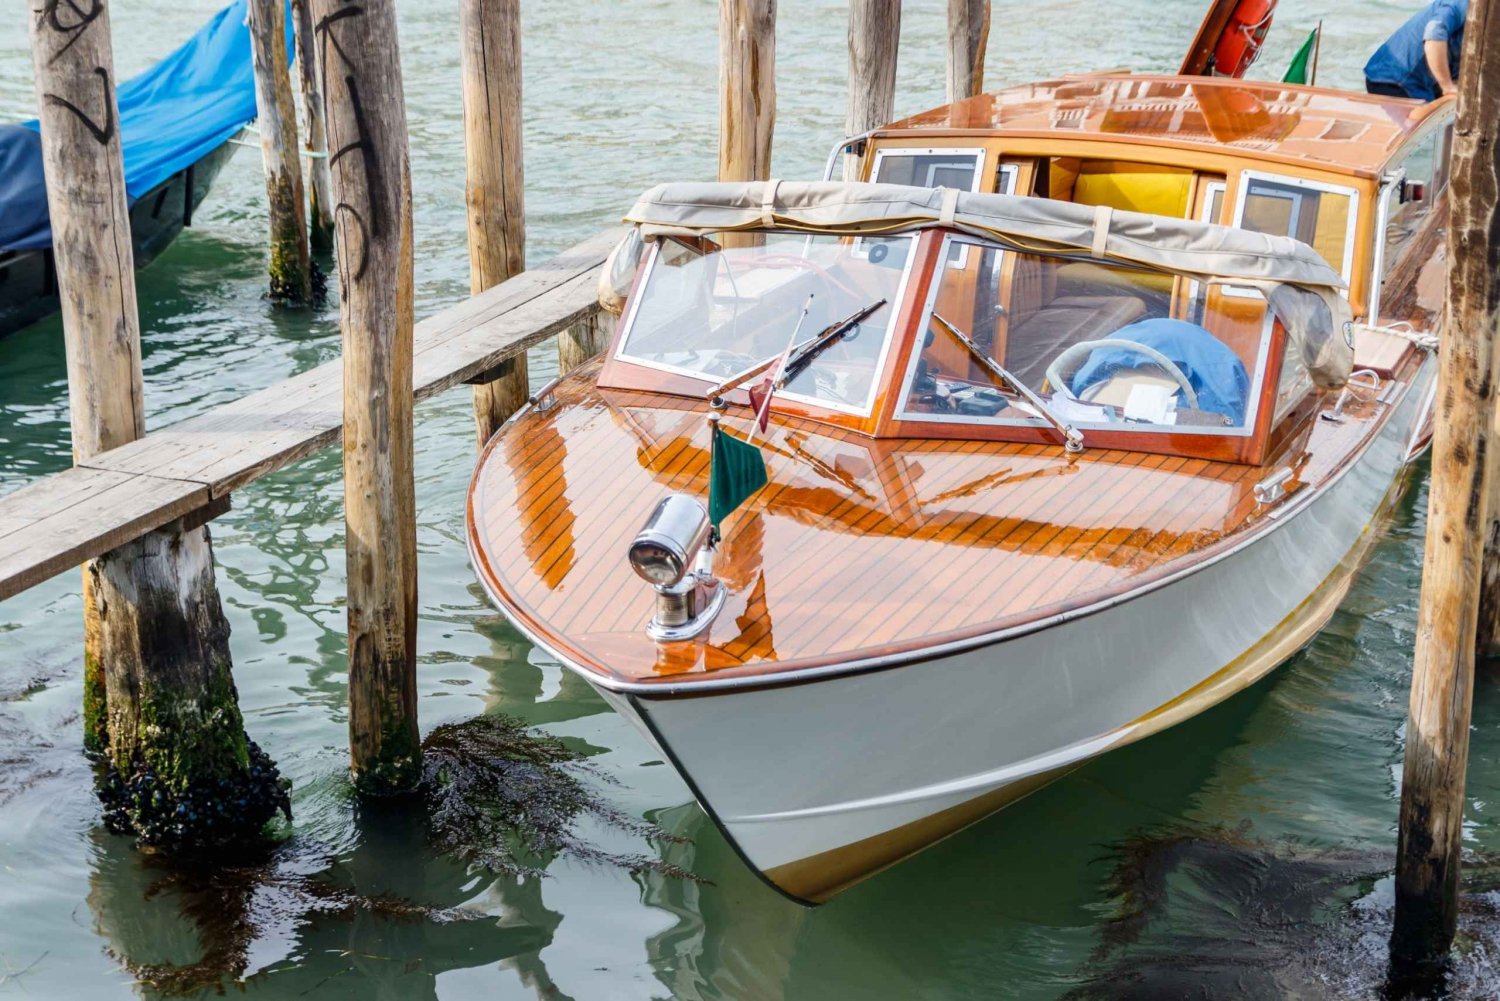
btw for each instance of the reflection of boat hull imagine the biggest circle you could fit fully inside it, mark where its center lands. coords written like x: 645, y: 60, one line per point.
x: 786, y: 770
x: 28, y: 279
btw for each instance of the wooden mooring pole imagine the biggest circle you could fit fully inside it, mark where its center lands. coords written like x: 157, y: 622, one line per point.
x: 159, y: 699
x: 747, y: 88
x: 968, y: 34
x: 874, y: 39
x: 490, y: 57
x: 291, y: 263
x: 1463, y: 480
x: 314, y: 132
x: 362, y: 92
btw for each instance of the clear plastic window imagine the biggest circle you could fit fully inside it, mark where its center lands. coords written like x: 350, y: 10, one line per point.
x: 1318, y: 217
x: 1097, y: 343
x: 930, y: 168
x: 711, y: 311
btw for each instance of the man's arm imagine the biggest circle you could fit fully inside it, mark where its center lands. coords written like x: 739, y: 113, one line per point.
x: 1447, y: 21
x: 1437, y: 62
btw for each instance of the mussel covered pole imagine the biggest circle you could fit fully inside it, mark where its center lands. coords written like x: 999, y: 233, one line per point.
x: 291, y: 264
x: 874, y: 39
x: 314, y: 133
x: 747, y: 88
x: 159, y: 700
x: 490, y: 55
x: 1437, y: 732
x: 362, y: 96
x: 968, y: 34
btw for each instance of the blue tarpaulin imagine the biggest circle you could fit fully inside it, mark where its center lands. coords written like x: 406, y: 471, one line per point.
x: 1214, y: 370
x: 171, y: 116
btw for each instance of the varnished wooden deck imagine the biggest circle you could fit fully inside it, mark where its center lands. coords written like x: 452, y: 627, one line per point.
x: 856, y: 547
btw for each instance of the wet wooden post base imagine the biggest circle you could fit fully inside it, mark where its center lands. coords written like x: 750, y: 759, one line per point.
x: 874, y: 37
x: 1463, y: 478
x: 159, y: 700
x: 362, y: 95
x: 747, y: 88
x: 968, y: 34
x: 490, y: 51
x: 291, y: 263
x: 314, y: 133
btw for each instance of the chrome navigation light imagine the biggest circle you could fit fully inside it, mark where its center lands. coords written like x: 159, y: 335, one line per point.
x: 671, y: 553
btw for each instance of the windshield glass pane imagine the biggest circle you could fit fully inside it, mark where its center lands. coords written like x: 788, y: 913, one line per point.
x: 1099, y: 344
x: 713, y: 311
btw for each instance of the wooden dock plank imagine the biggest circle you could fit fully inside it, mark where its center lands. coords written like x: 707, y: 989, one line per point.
x: 61, y: 520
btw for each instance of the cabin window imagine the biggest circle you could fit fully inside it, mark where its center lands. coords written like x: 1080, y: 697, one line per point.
x: 711, y: 311
x: 1097, y: 342
x: 929, y: 168
x: 1320, y: 215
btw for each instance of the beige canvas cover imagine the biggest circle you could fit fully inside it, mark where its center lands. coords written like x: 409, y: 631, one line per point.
x: 1034, y: 225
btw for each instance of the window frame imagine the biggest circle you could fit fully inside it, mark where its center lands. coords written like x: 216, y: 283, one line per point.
x: 1248, y: 429
x: 882, y: 360
x: 977, y: 153
x: 1242, y: 197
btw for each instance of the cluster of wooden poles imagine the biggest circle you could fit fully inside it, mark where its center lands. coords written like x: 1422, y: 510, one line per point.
x: 159, y: 696
x: 160, y: 704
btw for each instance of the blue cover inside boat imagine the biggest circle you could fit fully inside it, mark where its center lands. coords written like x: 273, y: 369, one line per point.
x: 1215, y: 371
x: 171, y: 116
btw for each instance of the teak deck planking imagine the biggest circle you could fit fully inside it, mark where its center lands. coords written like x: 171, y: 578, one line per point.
x: 57, y: 522
x: 852, y: 546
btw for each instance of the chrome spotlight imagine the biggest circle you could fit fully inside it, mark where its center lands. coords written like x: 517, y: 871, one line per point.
x: 671, y: 553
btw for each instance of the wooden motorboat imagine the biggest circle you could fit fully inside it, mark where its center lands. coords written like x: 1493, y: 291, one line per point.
x: 1085, y: 407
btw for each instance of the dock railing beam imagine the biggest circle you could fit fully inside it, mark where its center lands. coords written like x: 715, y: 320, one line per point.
x: 874, y: 40
x: 747, y: 88
x: 276, y: 119
x: 1437, y: 732
x: 363, y: 98
x: 314, y: 131
x: 968, y: 34
x: 490, y: 57
x: 159, y: 698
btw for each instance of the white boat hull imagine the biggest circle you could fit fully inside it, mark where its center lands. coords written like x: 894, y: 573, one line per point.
x: 822, y: 782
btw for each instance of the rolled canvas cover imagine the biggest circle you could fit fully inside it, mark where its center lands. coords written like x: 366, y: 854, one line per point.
x: 1317, y: 318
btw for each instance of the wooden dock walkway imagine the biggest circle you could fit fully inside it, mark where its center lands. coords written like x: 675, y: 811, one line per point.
x: 192, y: 467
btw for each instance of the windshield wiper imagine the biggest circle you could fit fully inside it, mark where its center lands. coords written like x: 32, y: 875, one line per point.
x: 806, y: 353
x: 1072, y: 437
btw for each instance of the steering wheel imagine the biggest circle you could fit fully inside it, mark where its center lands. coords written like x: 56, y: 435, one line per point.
x: 1078, y: 352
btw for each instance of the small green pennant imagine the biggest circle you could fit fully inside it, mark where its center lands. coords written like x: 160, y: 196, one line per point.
x: 1297, y: 72
x: 736, y: 472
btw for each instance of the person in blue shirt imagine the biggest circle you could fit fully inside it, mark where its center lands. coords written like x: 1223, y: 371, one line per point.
x: 1421, y: 59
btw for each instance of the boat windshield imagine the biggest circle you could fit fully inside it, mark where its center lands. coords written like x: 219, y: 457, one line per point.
x: 1100, y: 344
x: 710, y: 309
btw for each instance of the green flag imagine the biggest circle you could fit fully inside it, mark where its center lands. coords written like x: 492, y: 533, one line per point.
x: 1297, y: 72
x: 736, y: 471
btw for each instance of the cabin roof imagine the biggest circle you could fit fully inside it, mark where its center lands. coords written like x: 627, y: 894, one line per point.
x: 1340, y: 129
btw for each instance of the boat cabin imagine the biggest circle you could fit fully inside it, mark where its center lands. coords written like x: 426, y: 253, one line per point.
x: 1131, y: 356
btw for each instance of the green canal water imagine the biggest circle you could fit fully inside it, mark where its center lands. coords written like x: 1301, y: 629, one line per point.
x: 1239, y: 855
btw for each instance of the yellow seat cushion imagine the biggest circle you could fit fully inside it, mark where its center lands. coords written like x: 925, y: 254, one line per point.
x: 1134, y: 187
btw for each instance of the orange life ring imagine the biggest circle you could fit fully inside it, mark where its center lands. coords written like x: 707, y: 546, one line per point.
x: 1239, y: 45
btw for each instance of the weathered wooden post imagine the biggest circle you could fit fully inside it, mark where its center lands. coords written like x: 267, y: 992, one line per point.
x: 362, y: 93
x: 579, y: 343
x: 159, y: 699
x: 968, y: 34
x: 874, y: 39
x: 490, y: 56
x: 1437, y: 732
x: 314, y: 133
x: 291, y: 264
x: 747, y: 88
